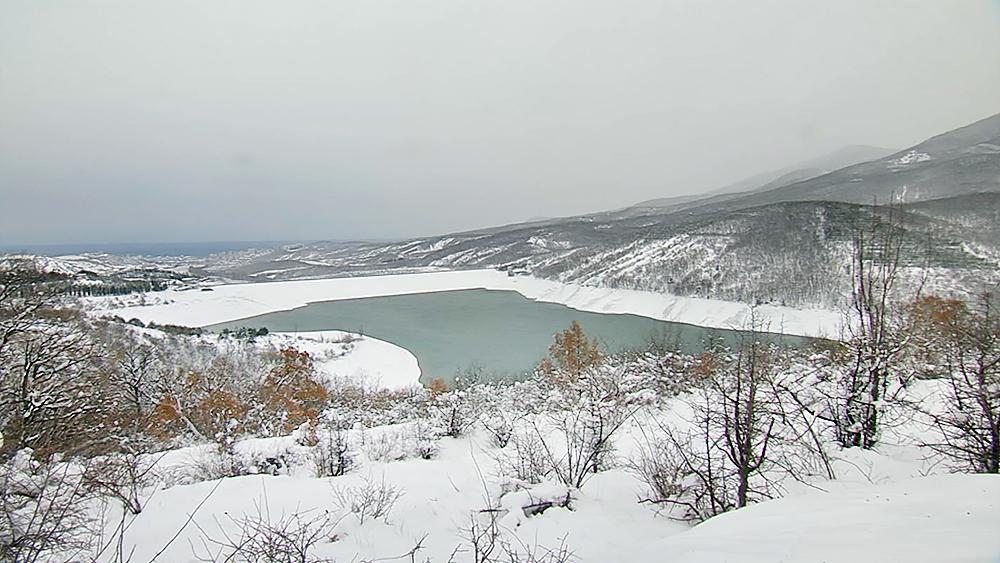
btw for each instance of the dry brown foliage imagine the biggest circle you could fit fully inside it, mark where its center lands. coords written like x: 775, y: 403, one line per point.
x: 569, y: 356
x: 290, y: 394
x: 437, y: 388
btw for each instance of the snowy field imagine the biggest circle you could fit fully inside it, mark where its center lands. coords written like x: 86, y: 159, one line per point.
x: 232, y: 302
x: 880, y: 510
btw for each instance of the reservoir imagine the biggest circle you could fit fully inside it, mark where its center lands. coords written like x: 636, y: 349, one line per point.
x: 501, y: 332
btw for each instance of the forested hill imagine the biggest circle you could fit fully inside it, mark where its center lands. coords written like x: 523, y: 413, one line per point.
x: 795, y: 253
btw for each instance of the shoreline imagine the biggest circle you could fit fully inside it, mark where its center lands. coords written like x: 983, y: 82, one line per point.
x: 231, y: 302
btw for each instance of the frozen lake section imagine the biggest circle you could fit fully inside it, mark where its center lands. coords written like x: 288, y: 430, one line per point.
x: 232, y: 302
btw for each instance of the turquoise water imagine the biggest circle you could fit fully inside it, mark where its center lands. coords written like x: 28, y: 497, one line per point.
x: 501, y: 332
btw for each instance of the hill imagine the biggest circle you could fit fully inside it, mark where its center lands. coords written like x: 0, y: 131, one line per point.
x: 786, y: 241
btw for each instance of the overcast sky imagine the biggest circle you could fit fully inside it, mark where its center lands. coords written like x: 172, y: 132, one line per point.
x: 174, y: 120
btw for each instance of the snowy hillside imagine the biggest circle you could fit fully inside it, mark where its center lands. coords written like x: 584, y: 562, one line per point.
x: 794, y: 254
x: 901, y: 517
x: 786, y: 242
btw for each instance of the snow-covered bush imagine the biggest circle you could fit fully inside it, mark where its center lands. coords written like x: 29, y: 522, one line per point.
x: 736, y: 439
x: 373, y: 499
x: 524, y: 459
x: 456, y: 411
x: 499, y: 425
x: 357, y: 401
x: 208, y: 463
x: 399, y: 441
x: 43, y: 510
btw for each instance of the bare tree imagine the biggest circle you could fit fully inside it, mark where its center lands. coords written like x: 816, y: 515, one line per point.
x: 875, y: 338
x: 135, y: 372
x: 966, y: 344
x: 741, y: 442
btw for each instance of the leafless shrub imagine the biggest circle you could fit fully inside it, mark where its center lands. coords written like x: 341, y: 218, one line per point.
x: 536, y: 553
x: 211, y: 463
x: 490, y: 544
x: 524, y: 459
x: 656, y: 464
x: 333, y: 455
x: 577, y: 435
x: 122, y: 476
x: 43, y: 510
x: 394, y: 443
x: 373, y: 499
x: 483, y: 534
x: 291, y: 538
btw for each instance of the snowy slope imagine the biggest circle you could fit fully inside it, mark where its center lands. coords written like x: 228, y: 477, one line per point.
x: 903, y: 518
x: 931, y: 519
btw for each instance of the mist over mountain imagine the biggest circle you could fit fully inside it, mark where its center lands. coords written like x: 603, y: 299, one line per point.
x: 785, y: 239
x: 963, y: 161
x: 844, y: 156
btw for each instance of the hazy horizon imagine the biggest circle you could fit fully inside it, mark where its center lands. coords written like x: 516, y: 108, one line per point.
x: 141, y: 246
x: 187, y: 121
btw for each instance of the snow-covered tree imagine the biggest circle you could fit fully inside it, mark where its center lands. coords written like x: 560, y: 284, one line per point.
x: 961, y: 347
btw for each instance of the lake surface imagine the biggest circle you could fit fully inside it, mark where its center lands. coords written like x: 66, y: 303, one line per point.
x: 501, y: 332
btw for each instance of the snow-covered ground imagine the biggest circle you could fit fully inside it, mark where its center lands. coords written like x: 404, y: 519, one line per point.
x: 232, y: 302
x: 940, y: 518
x: 368, y: 360
x: 882, y: 509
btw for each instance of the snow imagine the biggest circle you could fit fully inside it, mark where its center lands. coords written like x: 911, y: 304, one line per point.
x: 881, y: 508
x: 911, y: 157
x: 236, y: 301
x: 940, y: 518
x: 368, y: 360
x: 439, y: 498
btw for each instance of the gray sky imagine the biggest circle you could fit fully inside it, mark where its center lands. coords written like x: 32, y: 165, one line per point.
x: 188, y: 120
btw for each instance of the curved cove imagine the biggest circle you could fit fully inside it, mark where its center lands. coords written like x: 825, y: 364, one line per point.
x: 501, y: 332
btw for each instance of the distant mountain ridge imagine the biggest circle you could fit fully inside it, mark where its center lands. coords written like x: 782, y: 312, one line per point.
x: 963, y: 161
x: 783, y: 243
x: 844, y: 156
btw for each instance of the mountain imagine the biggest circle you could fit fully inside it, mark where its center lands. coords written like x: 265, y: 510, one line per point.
x: 963, y: 161
x: 792, y: 253
x: 844, y: 156
x: 787, y: 241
